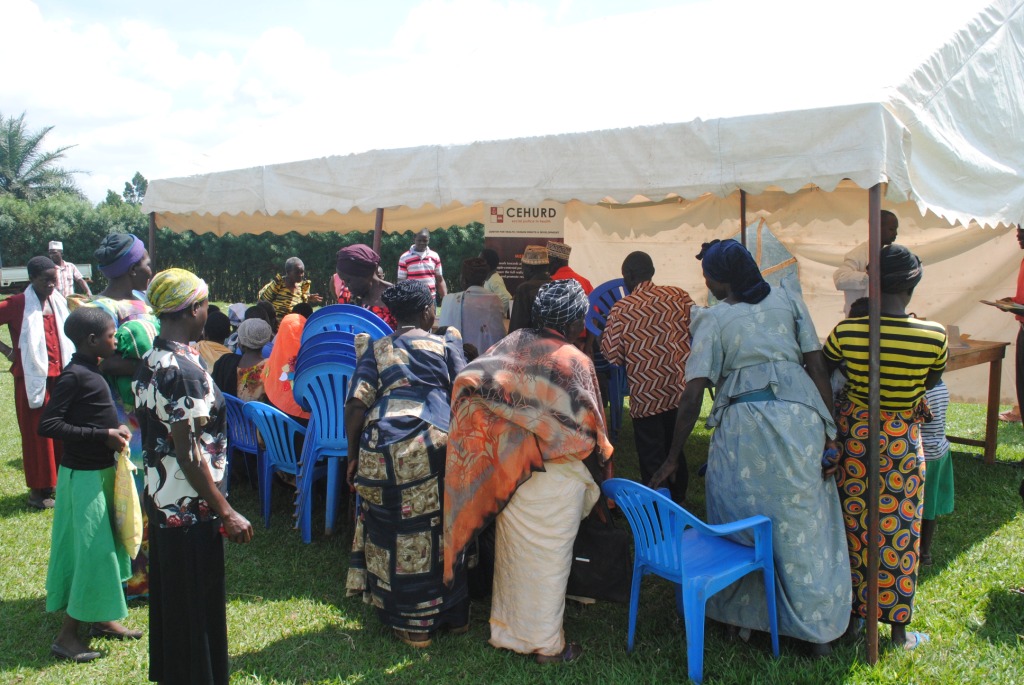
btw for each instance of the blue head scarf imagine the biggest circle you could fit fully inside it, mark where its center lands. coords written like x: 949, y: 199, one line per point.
x: 727, y: 261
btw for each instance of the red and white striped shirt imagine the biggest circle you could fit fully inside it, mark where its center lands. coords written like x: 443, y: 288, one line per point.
x: 420, y: 266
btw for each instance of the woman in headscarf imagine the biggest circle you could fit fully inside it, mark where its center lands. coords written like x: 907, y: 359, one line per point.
x: 477, y: 313
x: 38, y: 352
x: 279, y: 371
x: 913, y: 357
x: 241, y: 375
x: 773, y: 425
x: 124, y: 261
x: 357, y: 267
x: 398, y: 414
x: 182, y: 420
x: 526, y: 446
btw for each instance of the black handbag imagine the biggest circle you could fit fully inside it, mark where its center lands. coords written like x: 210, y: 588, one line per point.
x: 602, y: 563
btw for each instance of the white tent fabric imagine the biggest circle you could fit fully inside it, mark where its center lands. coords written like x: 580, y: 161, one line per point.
x: 786, y: 150
x: 948, y: 142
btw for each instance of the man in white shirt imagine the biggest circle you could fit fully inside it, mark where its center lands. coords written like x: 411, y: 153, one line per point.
x: 68, y: 276
x: 852, y: 276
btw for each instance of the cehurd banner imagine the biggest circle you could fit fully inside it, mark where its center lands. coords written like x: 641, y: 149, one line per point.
x: 513, y: 220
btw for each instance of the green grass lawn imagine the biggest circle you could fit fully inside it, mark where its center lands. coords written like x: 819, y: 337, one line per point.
x: 290, y: 622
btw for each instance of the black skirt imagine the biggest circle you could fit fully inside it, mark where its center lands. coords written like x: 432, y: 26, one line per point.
x: 188, y: 631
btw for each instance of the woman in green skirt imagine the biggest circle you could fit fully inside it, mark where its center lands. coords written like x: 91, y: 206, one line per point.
x: 87, y: 563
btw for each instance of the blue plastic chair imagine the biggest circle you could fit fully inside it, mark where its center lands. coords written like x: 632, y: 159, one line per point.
x: 602, y: 299
x: 676, y: 545
x: 241, y: 435
x: 345, y: 317
x: 279, y: 432
x: 322, y: 389
x: 328, y: 336
x: 325, y: 351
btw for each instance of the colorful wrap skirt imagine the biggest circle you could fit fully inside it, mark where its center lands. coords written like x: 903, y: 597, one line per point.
x: 901, y: 501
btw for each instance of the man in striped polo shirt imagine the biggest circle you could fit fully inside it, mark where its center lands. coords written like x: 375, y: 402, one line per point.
x: 648, y: 332
x: 420, y: 263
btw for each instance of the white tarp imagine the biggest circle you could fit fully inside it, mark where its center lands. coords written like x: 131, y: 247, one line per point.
x: 948, y: 141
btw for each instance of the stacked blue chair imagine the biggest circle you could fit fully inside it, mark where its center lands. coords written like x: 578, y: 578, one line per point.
x: 347, y: 318
x: 241, y: 434
x: 280, y: 432
x: 676, y: 545
x: 602, y: 299
x: 322, y: 388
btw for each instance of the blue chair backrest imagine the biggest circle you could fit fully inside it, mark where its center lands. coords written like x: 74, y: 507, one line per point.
x: 241, y: 431
x: 602, y: 299
x: 279, y: 432
x: 328, y: 336
x: 348, y: 318
x: 323, y: 389
x: 657, y: 522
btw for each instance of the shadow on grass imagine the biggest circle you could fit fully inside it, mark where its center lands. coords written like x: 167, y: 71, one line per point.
x: 29, y: 645
x: 17, y: 504
x: 1004, y: 617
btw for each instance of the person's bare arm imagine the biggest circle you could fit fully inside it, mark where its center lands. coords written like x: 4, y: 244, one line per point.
x: 686, y: 418
x: 236, y: 527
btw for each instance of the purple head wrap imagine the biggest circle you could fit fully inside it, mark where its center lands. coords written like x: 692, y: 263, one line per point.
x: 118, y: 252
x: 357, y: 260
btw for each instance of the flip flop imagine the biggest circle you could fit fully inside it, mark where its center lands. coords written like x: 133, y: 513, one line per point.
x: 915, y: 639
x: 413, y: 639
x: 572, y: 652
x: 1009, y: 417
x: 62, y: 652
x: 128, y: 634
x: 1017, y: 591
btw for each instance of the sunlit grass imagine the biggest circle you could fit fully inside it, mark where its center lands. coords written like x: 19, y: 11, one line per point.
x: 290, y: 622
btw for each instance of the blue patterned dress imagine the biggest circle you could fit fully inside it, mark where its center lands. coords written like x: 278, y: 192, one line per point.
x: 765, y: 458
x: 396, y: 561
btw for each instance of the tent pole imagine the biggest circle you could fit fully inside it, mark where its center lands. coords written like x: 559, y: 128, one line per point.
x: 743, y: 217
x: 874, y: 411
x: 378, y: 228
x: 152, y: 239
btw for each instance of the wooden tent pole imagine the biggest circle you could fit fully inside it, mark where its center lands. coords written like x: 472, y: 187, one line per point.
x: 152, y: 240
x: 874, y: 411
x: 378, y: 229
x: 743, y: 217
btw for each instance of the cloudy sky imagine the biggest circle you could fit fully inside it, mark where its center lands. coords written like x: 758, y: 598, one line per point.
x: 174, y: 89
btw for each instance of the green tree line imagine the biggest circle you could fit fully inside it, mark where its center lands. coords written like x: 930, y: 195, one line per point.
x: 235, y: 267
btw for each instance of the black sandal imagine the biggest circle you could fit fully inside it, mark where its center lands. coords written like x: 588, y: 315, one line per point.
x: 572, y: 652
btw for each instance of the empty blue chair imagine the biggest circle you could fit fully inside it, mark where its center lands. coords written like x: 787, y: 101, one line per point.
x: 280, y: 433
x: 241, y: 434
x: 322, y: 388
x: 602, y: 299
x: 676, y: 545
x: 345, y: 317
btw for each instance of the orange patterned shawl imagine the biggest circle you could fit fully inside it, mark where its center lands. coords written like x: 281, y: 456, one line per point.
x: 532, y: 398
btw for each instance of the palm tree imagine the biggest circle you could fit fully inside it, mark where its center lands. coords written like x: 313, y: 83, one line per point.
x: 27, y: 171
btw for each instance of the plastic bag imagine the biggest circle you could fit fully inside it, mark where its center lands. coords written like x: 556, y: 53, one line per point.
x: 127, y: 511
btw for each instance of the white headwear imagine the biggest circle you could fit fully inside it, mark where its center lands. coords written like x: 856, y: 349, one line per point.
x: 56, y: 245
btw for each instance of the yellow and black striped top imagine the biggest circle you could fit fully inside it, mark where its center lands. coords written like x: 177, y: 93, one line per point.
x: 282, y: 297
x: 910, y: 348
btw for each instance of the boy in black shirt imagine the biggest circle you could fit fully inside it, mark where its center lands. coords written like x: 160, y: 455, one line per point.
x: 87, y: 562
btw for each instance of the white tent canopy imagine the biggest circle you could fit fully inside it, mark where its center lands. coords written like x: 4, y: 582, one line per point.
x: 947, y: 140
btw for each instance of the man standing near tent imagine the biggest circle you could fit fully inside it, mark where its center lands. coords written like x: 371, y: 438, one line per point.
x: 284, y: 292
x: 852, y: 276
x: 648, y: 332
x: 535, y: 273
x: 68, y: 276
x: 420, y: 263
x: 558, y: 265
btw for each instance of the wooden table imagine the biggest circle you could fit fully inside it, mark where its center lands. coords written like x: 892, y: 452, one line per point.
x: 982, y: 352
